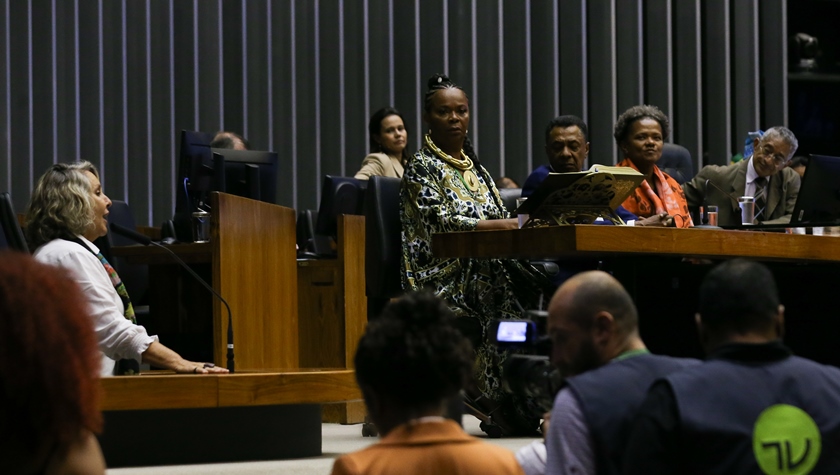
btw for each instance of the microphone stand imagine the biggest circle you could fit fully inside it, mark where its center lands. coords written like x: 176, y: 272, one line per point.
x: 144, y: 240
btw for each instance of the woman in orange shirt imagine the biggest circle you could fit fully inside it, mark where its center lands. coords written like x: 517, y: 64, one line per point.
x: 640, y: 133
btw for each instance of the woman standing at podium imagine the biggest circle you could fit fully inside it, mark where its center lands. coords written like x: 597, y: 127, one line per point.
x: 445, y: 188
x: 67, y: 212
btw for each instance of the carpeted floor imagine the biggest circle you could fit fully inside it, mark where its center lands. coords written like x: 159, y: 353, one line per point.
x: 337, y: 440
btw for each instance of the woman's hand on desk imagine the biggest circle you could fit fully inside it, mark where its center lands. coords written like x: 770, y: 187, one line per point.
x: 486, y: 224
x: 658, y: 220
x: 161, y: 356
x: 192, y: 367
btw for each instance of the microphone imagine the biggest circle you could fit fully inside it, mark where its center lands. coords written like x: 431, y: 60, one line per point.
x: 709, y: 182
x: 145, y: 240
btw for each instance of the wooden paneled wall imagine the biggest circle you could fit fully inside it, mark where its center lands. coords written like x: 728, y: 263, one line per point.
x: 112, y: 81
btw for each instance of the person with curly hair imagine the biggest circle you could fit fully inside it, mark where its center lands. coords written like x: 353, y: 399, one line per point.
x: 409, y: 363
x: 640, y: 133
x: 49, y: 362
x: 445, y: 188
x: 67, y: 212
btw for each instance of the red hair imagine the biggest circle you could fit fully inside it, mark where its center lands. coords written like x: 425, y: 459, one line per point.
x: 49, y: 358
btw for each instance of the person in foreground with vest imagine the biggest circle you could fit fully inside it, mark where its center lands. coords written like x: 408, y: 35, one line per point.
x: 753, y: 407
x: 67, y: 212
x: 593, y: 326
x: 410, y: 362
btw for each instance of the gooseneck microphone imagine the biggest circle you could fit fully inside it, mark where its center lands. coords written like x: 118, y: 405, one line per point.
x: 709, y: 182
x: 144, y: 240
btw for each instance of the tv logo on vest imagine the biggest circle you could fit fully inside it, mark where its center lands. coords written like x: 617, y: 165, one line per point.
x: 786, y: 441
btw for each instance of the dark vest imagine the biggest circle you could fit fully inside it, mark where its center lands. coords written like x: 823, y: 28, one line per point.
x: 730, y: 414
x: 610, y: 397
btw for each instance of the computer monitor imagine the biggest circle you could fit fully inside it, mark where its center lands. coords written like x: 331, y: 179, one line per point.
x: 195, y: 180
x: 248, y: 173
x: 339, y: 195
x: 818, y: 203
x: 195, y: 171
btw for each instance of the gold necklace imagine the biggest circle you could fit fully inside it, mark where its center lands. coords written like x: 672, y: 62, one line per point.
x: 464, y: 165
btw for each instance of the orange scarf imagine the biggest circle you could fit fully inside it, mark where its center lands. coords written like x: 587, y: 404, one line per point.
x: 668, y: 198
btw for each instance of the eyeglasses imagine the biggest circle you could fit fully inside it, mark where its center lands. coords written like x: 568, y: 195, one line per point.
x: 778, y: 158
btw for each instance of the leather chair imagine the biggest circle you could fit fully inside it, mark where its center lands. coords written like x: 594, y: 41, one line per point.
x: 383, y: 259
x: 134, y: 276
x: 307, y: 241
x: 509, y: 196
x: 12, y: 234
x: 676, y: 162
x: 383, y: 246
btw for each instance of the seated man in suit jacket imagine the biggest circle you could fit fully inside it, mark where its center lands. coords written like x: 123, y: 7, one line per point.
x: 763, y: 175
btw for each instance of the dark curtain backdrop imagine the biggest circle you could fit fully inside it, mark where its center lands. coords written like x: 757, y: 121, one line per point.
x: 113, y: 81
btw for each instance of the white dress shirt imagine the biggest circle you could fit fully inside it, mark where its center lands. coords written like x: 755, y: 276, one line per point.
x: 118, y: 338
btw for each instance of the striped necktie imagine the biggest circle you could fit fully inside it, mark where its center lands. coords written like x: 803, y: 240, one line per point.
x: 760, y: 197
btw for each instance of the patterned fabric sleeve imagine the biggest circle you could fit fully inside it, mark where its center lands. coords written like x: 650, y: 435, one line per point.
x: 430, y: 202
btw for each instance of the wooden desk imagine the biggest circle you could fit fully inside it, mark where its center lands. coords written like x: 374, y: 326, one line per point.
x: 253, y: 266
x: 600, y: 241
x: 164, y: 390
x: 649, y: 263
x: 167, y: 419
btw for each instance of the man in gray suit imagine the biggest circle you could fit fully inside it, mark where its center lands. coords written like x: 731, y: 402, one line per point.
x: 762, y: 175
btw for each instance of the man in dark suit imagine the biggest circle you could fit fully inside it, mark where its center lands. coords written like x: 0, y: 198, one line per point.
x: 762, y: 175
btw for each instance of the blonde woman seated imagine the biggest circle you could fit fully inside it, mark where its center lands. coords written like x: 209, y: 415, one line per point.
x: 67, y: 212
x: 388, y: 139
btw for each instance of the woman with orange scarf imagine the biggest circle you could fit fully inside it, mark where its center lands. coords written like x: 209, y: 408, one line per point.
x: 640, y: 132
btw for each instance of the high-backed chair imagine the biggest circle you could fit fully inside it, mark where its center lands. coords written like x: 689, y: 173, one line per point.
x: 676, y: 161
x: 12, y: 234
x: 308, y: 242
x: 383, y: 248
x: 134, y: 276
x: 509, y: 196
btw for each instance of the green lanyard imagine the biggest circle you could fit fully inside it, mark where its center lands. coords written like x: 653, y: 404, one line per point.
x: 631, y: 353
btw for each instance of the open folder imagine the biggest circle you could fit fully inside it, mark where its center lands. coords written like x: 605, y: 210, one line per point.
x: 580, y: 197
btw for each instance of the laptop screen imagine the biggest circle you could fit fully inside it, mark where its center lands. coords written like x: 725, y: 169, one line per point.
x: 818, y: 203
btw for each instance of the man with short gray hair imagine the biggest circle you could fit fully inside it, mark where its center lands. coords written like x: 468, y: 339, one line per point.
x: 763, y: 175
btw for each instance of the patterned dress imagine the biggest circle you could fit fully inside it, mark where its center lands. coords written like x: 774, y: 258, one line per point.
x: 434, y: 199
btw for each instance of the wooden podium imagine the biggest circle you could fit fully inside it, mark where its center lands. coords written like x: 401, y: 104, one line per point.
x: 254, y: 269
x: 333, y: 310
x: 251, y: 255
x: 188, y: 419
x: 271, y: 407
